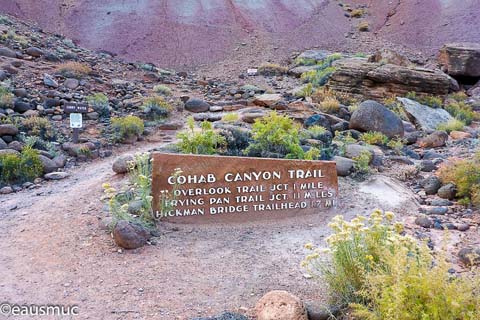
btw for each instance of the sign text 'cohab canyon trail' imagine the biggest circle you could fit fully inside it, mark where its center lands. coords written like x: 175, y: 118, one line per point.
x: 224, y: 189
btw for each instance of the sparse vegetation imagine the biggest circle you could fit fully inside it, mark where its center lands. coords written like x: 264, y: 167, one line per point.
x: 6, y: 97
x: 99, y: 103
x: 306, y: 91
x: 465, y: 174
x: 357, y: 13
x: 156, y: 108
x: 452, y: 125
x: 40, y: 127
x: 330, y: 105
x: 374, y: 138
x: 125, y: 128
x: 362, y: 163
x: 275, y: 136
x: 431, y: 101
x: 74, y: 69
x: 16, y: 168
x: 272, y: 69
x: 162, y: 90
x: 231, y: 117
x: 462, y: 112
x: 313, y: 132
x: 204, y: 140
x: 321, y: 74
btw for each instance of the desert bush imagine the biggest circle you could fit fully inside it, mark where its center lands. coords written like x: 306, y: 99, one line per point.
x: 100, y: 104
x: 451, y: 125
x: 162, y: 90
x: 231, y: 117
x: 305, y: 61
x: 139, y: 190
x: 20, y: 168
x: 362, y: 163
x: 305, y: 91
x: 272, y: 69
x: 39, y: 144
x: 73, y: 69
x: 40, y: 127
x: 321, y: 74
x: 459, y: 96
x: 6, y: 97
x: 396, y: 144
x: 204, y: 140
x: 357, y: 13
x: 363, y: 26
x: 428, y: 100
x: 275, y: 135
x: 330, y: 105
x: 127, y: 127
x: 465, y: 174
x: 374, y: 138
x: 313, y: 132
x: 462, y: 112
x: 237, y: 139
x: 156, y: 108
x: 312, y: 154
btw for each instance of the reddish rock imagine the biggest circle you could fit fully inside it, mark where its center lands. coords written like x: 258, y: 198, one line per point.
x: 434, y: 140
x: 461, y: 59
x: 460, y: 135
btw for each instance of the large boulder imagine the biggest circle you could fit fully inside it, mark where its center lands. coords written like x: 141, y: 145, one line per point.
x: 390, y: 56
x: 48, y: 164
x: 461, y: 59
x: 357, y: 76
x: 424, y: 117
x: 344, y: 166
x: 197, y: 105
x: 122, y: 163
x: 434, y: 140
x: 129, y: 235
x: 280, y: 305
x: 8, y: 130
x: 373, y: 116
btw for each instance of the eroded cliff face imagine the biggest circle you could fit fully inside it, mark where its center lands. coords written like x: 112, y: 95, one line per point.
x: 193, y: 32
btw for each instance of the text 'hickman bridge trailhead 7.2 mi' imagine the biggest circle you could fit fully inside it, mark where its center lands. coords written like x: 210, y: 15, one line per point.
x: 196, y: 189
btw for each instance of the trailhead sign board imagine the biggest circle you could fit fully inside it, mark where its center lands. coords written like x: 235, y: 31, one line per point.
x: 207, y: 189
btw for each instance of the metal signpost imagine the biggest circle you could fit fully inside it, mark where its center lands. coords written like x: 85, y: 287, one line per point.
x: 75, y: 110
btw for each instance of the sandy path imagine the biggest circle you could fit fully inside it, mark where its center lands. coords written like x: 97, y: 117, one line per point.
x: 52, y: 251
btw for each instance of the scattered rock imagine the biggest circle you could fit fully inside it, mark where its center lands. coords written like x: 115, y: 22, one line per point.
x: 49, y: 81
x: 21, y: 106
x: 3, y: 144
x: 387, y: 56
x: 34, y: 52
x: 8, y: 130
x: 434, y: 140
x: 437, y: 211
x: 225, y: 316
x: 427, y: 166
x: 424, y: 222
x: 280, y: 305
x: 461, y: 59
x: 344, y: 166
x: 469, y: 256
x: 373, y: 116
x: 56, y: 175
x: 425, y: 117
x: 129, y: 235
x: 460, y: 135
x: 197, y: 105
x: 6, y: 190
x: 48, y: 164
x: 448, y: 191
x: 6, y: 52
x: 431, y: 185
x: 71, y: 83
x: 267, y: 100
x: 121, y: 164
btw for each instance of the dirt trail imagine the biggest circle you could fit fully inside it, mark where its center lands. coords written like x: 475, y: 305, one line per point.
x: 52, y: 251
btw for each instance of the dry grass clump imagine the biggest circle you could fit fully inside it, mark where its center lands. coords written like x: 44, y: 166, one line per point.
x: 272, y: 69
x: 74, y: 69
x: 363, y: 26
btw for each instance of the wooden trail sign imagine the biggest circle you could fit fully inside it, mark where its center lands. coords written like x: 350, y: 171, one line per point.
x: 75, y: 110
x: 240, y: 189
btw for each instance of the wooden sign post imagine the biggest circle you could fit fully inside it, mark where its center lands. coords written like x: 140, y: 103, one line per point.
x: 76, y: 121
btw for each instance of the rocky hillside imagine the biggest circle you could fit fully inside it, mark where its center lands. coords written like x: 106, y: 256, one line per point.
x: 178, y: 33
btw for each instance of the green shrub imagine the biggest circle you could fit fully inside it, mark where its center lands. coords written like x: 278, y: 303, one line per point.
x: 312, y: 154
x: 324, y: 69
x: 156, y: 108
x: 362, y: 162
x: 451, y: 125
x: 163, y: 90
x: 459, y: 96
x: 305, y: 61
x: 275, y: 135
x: 237, y: 140
x: 100, y: 104
x: 428, y: 100
x: 313, y: 132
x: 462, y: 112
x: 230, y: 117
x: 127, y: 127
x: 272, y: 69
x: 465, y: 174
x: 202, y: 141
x: 305, y: 91
x: 40, y: 127
x: 374, y: 138
x: 20, y: 168
x: 6, y: 97
x: 39, y: 144
x: 396, y: 144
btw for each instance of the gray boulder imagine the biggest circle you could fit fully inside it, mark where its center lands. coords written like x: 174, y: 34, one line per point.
x: 344, y: 166
x: 48, y: 164
x: 448, y: 191
x: 122, y: 163
x: 373, y: 116
x: 197, y: 105
x: 425, y: 117
x: 6, y: 52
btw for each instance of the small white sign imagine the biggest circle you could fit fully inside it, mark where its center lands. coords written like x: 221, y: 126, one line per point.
x: 75, y: 120
x: 252, y: 72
